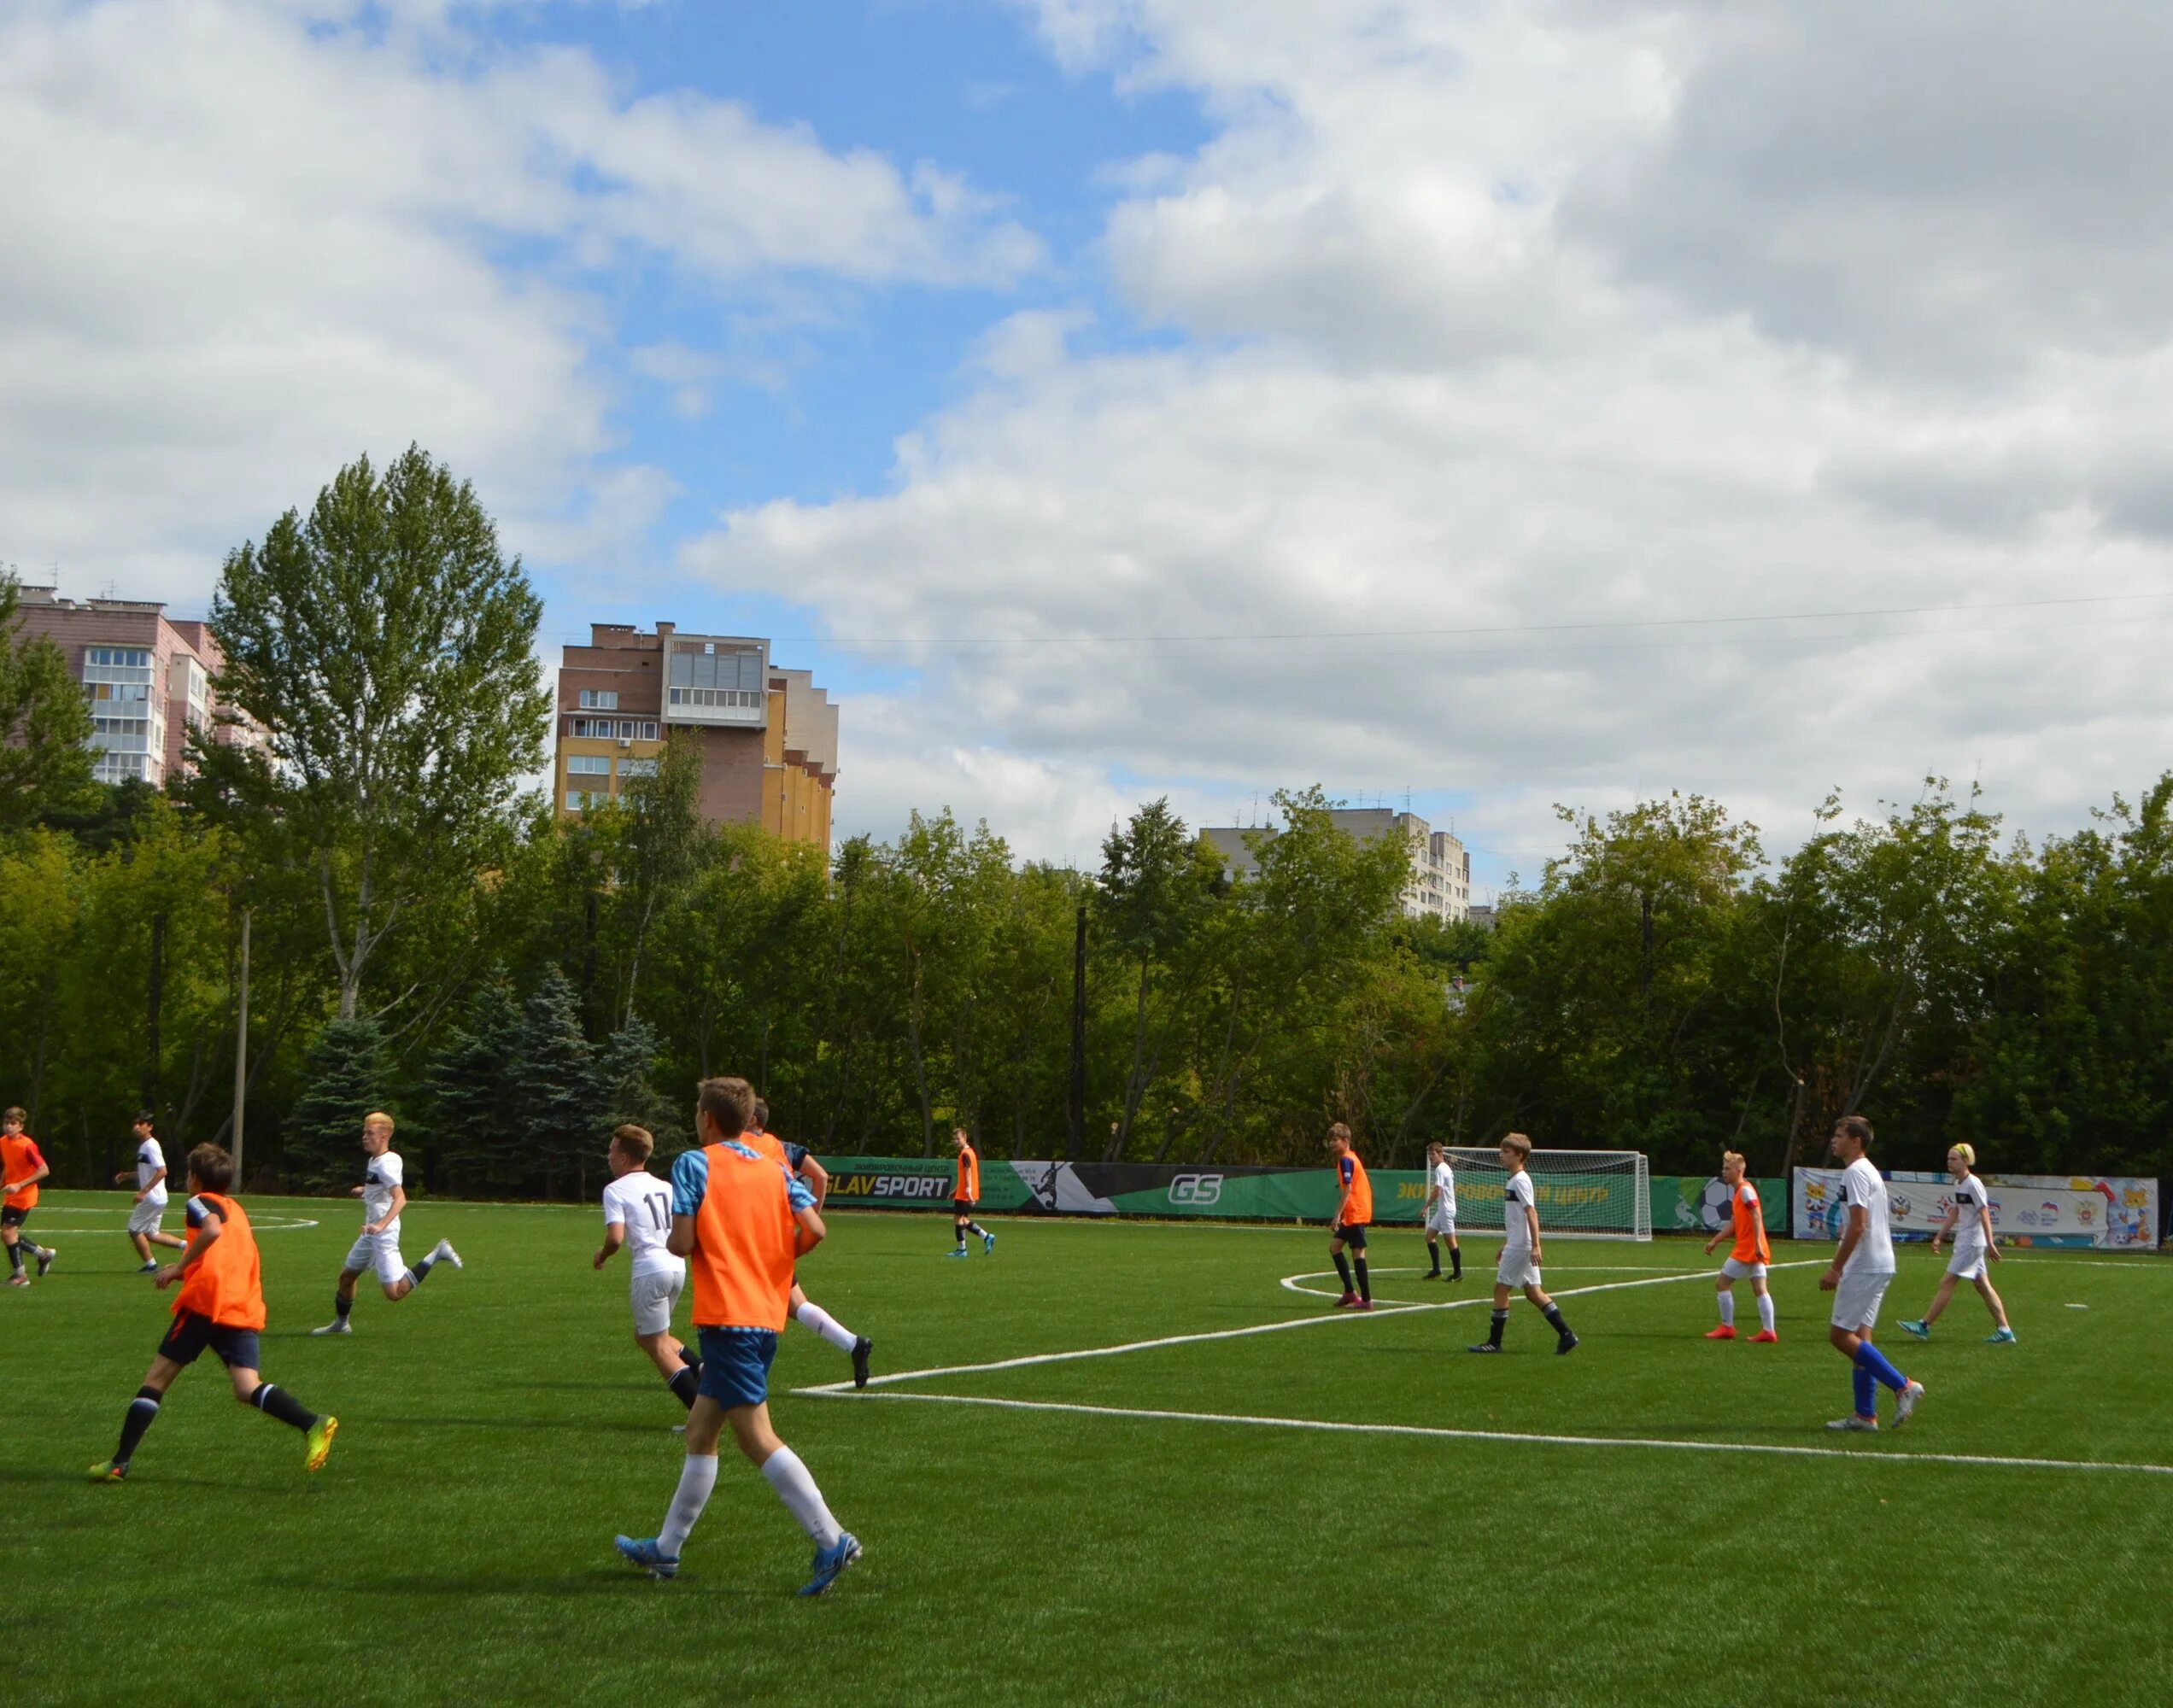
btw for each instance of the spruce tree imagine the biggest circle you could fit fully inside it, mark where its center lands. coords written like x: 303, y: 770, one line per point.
x: 347, y: 1079
x: 554, y: 1081
x: 470, y: 1085
x: 626, y: 1087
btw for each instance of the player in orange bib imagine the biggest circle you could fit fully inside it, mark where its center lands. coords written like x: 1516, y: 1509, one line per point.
x: 1746, y: 1227
x: 965, y: 1193
x: 741, y: 1222
x: 1354, y: 1216
x: 23, y: 1165
x: 221, y: 1307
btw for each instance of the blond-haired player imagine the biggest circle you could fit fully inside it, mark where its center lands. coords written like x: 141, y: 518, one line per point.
x: 383, y: 1194
x: 1969, y: 1219
x: 1746, y: 1224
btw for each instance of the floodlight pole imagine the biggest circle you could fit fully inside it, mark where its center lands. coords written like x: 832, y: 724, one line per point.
x: 241, y: 1055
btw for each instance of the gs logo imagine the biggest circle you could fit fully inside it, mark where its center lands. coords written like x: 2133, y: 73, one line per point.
x: 1202, y: 1189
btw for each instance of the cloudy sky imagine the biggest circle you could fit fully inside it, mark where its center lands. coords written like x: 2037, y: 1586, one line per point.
x: 1506, y: 403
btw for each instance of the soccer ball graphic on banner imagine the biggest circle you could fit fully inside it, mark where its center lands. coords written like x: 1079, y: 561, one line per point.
x: 1713, y: 1205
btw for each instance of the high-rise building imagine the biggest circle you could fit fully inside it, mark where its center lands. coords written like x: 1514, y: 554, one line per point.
x: 148, y: 678
x: 1439, y: 886
x: 767, y: 735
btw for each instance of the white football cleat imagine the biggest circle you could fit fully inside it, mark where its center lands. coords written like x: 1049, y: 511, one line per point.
x: 443, y: 1250
x: 1869, y: 1425
x: 339, y: 1326
x: 1905, y: 1403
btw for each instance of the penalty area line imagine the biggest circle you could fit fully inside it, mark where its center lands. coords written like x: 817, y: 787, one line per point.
x: 1030, y: 1359
x: 1428, y: 1432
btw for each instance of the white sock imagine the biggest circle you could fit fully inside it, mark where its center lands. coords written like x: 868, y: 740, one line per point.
x: 1727, y: 1310
x: 1766, y: 1312
x: 796, y: 1488
x: 696, y: 1479
x: 813, y: 1316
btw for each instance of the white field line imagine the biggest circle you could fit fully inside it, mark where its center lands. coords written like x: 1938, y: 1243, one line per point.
x: 288, y: 1225
x: 1650, y: 1443
x: 1292, y: 1282
x: 1032, y: 1359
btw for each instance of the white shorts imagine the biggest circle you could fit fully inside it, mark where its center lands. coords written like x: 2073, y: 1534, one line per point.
x: 1735, y: 1269
x: 1436, y: 1222
x: 1857, y: 1299
x: 144, y: 1218
x: 378, y: 1251
x: 1967, y: 1268
x: 654, y: 1294
x: 1516, y: 1270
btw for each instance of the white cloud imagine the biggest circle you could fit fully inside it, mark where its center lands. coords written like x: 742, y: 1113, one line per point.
x: 248, y: 240
x: 1487, y: 328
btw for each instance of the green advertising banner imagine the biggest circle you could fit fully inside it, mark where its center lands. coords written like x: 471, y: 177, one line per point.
x: 1691, y: 1203
x: 909, y: 1182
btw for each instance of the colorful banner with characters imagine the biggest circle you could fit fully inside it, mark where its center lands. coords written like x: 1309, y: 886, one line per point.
x: 2110, y: 1213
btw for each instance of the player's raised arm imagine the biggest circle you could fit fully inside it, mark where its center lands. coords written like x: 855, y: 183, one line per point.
x: 817, y: 1176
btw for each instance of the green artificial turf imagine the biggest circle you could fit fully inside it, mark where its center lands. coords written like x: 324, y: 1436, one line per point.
x: 499, y: 1427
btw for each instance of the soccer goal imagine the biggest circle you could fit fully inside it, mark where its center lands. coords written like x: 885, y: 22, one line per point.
x: 1582, y: 1194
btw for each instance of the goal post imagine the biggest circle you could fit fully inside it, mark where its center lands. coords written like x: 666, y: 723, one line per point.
x: 1582, y: 1194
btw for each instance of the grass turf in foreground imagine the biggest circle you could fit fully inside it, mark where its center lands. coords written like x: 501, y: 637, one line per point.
x: 499, y: 1426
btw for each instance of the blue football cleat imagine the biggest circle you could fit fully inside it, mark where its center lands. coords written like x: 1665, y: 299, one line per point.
x: 653, y: 1559
x: 830, y: 1561
x: 987, y: 1243
x: 960, y: 1252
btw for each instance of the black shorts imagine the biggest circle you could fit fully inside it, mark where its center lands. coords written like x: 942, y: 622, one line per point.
x: 13, y: 1216
x: 1353, y: 1235
x: 962, y: 1207
x: 185, y: 1341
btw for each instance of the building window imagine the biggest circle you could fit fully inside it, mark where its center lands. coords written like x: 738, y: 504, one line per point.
x: 748, y: 700
x: 649, y: 732
x: 578, y: 800
x: 588, y: 764
x: 600, y: 699
x: 637, y: 768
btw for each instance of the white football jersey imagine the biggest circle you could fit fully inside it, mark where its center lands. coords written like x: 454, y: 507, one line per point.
x: 1874, y: 1253
x: 1516, y: 1227
x: 382, y: 1174
x: 150, y: 1161
x: 1969, y: 1226
x: 1445, y: 1176
x: 643, y: 1204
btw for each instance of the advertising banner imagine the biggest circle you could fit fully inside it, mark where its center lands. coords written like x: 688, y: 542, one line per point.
x: 2110, y: 1213
x: 1691, y: 1203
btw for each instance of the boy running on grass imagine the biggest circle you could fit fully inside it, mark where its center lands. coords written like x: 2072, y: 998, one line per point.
x: 1519, y: 1264
x: 1750, y: 1256
x: 221, y: 1307
x: 1354, y: 1216
x: 637, y: 1212
x: 739, y: 1220
x: 383, y: 1193
x: 23, y: 1165
x: 1863, y: 1269
x: 965, y: 1193
x: 799, y: 1162
x: 1441, y: 1213
x: 1969, y: 1219
x: 146, y: 1222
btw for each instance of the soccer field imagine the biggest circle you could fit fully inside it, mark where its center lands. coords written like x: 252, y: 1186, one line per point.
x: 1655, y: 1518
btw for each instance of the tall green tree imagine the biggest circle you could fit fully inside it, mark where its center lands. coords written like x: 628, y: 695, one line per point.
x: 347, y: 1078
x: 384, y: 645
x: 44, y: 723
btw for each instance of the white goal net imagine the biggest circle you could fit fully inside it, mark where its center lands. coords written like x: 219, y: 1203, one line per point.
x: 1586, y: 1194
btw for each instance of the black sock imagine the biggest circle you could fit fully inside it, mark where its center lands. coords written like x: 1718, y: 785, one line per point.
x: 958, y: 1232
x: 1343, y: 1268
x: 686, y: 1384
x: 1434, y: 1256
x: 143, y: 1412
x: 342, y: 1304
x: 1553, y: 1314
x: 1456, y: 1263
x: 1500, y: 1321
x: 420, y: 1270
x: 277, y: 1402
x: 977, y: 1230
x: 14, y: 1257
x: 1365, y: 1285
x: 690, y: 1358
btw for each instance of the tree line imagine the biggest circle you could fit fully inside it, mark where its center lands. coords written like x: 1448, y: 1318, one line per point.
x: 428, y: 936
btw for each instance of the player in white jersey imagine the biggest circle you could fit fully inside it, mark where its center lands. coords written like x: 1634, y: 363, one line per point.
x: 637, y: 1214
x: 1520, y: 1265
x: 148, y: 1176
x: 1441, y: 1214
x: 383, y: 1193
x: 1969, y: 1219
x: 1863, y: 1269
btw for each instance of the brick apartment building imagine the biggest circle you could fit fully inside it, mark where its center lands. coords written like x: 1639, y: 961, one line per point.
x: 769, y: 736
x: 1439, y: 886
x: 147, y: 677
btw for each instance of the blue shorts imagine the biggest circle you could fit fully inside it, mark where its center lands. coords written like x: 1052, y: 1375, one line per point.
x: 192, y: 1335
x: 735, y: 1365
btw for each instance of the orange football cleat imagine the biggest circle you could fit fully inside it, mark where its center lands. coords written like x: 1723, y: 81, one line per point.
x: 1724, y: 1332
x: 1765, y: 1336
